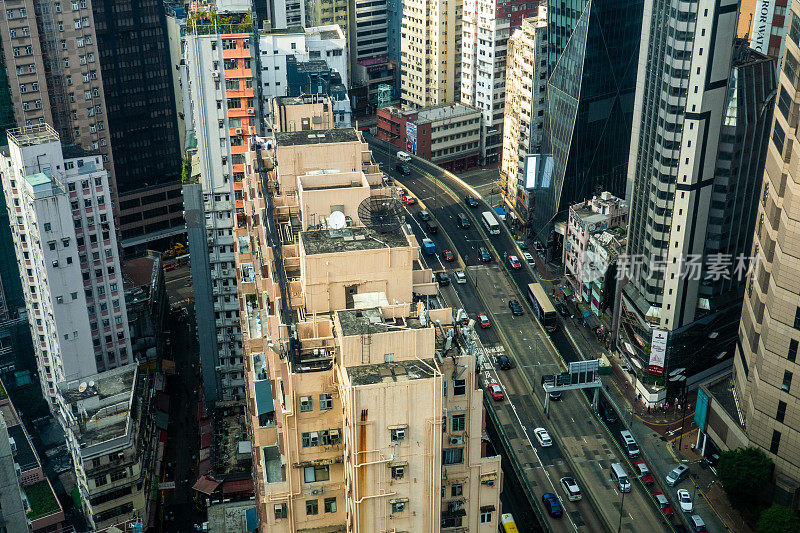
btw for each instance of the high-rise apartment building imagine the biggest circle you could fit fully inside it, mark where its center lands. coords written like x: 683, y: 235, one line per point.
x: 698, y: 146
x: 140, y: 113
x: 221, y: 85
x: 430, y: 44
x: 326, y: 13
x: 766, y: 359
x: 362, y: 415
x: 52, y: 60
x: 14, y: 510
x: 487, y: 26
x: 593, y: 49
x: 523, y: 126
x: 68, y: 258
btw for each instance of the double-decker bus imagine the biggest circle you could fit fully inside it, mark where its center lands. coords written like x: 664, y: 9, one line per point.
x: 490, y: 222
x: 542, y: 307
x: 508, y: 524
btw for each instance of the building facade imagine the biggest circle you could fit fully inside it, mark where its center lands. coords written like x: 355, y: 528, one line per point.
x: 449, y: 135
x: 765, y: 362
x: 768, y: 24
x: 336, y: 443
x: 523, y: 126
x: 67, y: 253
x: 694, y: 186
x: 430, y: 44
x: 487, y: 26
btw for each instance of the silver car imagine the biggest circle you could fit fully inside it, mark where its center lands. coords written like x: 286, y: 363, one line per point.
x: 677, y: 474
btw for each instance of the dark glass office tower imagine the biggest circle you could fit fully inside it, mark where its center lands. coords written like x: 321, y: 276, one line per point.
x: 132, y: 41
x: 593, y: 49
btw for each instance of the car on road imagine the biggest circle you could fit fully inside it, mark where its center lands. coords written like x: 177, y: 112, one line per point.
x: 408, y: 199
x: 571, y: 489
x: 424, y: 215
x: 471, y: 201
x: 513, y: 260
x: 483, y: 321
x: 552, y: 504
x: 543, y: 437
x: 563, y: 310
x: 608, y: 412
x: 463, y: 221
x: 403, y: 169
x: 462, y: 317
x: 484, y: 254
x: 504, y: 362
x: 643, y: 472
x: 685, y: 501
x: 448, y: 255
x: 663, y: 504
x: 442, y: 278
x: 516, y: 308
x: 461, y: 278
x: 528, y: 258
x: 495, y: 392
x: 677, y: 474
x: 697, y: 524
x: 432, y: 226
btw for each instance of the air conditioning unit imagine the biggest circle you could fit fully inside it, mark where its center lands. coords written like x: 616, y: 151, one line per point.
x: 55, y: 264
x: 400, y: 506
x: 316, y: 492
x: 225, y: 272
x: 488, y: 482
x: 456, y: 440
x: 215, y: 75
x: 238, y: 131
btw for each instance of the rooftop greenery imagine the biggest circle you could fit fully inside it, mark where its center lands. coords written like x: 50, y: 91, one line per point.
x: 43, y: 501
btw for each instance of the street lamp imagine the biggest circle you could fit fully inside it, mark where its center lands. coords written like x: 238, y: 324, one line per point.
x: 678, y: 378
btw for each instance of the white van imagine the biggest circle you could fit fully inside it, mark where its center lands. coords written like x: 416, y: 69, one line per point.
x: 629, y: 443
x: 618, y: 474
x: 405, y: 157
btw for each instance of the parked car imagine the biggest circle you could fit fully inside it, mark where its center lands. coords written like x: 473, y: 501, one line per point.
x: 495, y: 392
x: 516, y: 308
x: 462, y: 317
x: 663, y: 504
x: 483, y: 321
x: 552, y: 504
x: 448, y: 255
x: 442, y: 278
x: 471, y: 201
x: 461, y: 278
x: 513, y: 260
x: 424, y: 215
x: 677, y: 475
x: 685, y: 501
x: 643, y: 472
x: 485, y: 255
x: 504, y: 362
x: 543, y: 437
x: 408, y: 199
x: 528, y: 258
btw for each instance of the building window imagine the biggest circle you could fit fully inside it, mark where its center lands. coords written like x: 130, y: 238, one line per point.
x: 398, y: 472
x: 47, y: 226
x: 312, y: 507
x: 787, y: 380
x: 325, y: 402
x: 794, y: 30
x: 119, y: 474
x: 281, y: 511
x: 778, y: 138
x: 459, y: 387
x: 398, y: 507
x: 312, y: 474
x: 306, y: 404
x: 792, y: 355
x: 330, y: 505
x: 99, y: 481
x: 456, y: 489
x: 797, y: 318
x: 459, y: 423
x: 776, y: 441
x: 781, y: 414
x: 398, y: 435
x: 453, y: 456
x: 486, y: 517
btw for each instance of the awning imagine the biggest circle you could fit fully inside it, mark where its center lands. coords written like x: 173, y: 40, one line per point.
x: 205, y: 440
x: 237, y: 487
x: 264, y: 403
x: 487, y: 508
x: 206, y: 485
x: 454, y: 514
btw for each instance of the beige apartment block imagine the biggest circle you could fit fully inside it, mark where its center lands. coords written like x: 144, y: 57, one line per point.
x: 768, y: 394
x: 303, y: 113
x: 430, y: 44
x: 327, y: 12
x: 365, y: 415
x: 54, y: 76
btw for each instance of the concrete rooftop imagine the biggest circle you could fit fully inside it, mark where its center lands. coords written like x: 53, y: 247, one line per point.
x: 291, y: 138
x: 350, y: 240
x: 392, y: 372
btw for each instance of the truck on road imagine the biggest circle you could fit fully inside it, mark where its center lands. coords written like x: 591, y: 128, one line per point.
x: 428, y: 246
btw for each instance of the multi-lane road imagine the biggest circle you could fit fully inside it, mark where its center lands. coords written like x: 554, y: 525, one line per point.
x: 583, y: 449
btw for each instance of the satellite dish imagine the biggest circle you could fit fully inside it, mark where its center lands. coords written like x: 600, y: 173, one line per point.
x: 381, y: 213
x: 82, y: 387
x: 91, y: 383
x: 337, y: 220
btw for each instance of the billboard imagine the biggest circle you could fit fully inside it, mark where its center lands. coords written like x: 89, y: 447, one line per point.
x: 530, y: 171
x: 658, y: 352
x: 411, y: 137
x: 762, y: 25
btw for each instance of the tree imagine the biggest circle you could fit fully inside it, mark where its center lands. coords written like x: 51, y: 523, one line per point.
x: 744, y: 474
x: 778, y: 519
